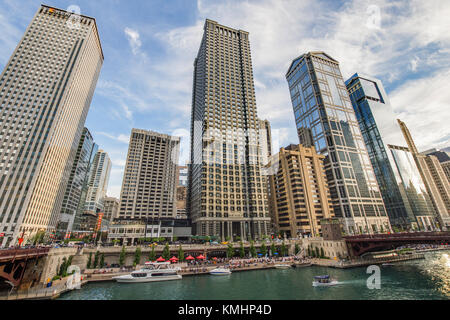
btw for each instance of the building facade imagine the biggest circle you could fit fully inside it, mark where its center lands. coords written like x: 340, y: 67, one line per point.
x: 77, y: 181
x: 413, y: 187
x: 378, y: 126
x: 227, y: 194
x: 150, y: 178
x: 111, y: 208
x: 299, y: 193
x: 426, y: 167
x: 45, y: 92
x: 325, y: 119
x: 446, y: 167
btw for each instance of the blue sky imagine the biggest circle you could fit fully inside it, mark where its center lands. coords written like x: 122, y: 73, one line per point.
x: 150, y: 46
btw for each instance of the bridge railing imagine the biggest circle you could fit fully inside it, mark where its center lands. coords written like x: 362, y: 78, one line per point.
x: 397, y: 235
x: 23, y: 252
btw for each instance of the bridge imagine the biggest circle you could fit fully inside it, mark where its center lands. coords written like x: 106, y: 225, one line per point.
x: 14, y: 262
x: 361, y: 244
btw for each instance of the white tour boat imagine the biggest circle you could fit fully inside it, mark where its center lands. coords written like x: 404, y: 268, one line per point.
x: 282, y: 266
x: 324, y: 281
x: 220, y: 272
x: 152, y: 271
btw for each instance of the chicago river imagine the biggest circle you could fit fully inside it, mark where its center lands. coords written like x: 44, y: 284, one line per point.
x: 424, y: 279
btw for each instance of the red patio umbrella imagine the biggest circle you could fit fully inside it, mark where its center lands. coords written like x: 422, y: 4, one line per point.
x: 214, y: 258
x: 160, y: 259
x: 201, y: 257
x: 173, y: 258
x: 190, y: 258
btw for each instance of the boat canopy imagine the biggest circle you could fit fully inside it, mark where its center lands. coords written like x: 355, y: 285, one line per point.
x: 322, y: 277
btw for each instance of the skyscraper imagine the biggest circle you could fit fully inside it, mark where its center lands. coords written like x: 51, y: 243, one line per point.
x: 413, y: 187
x: 80, y: 170
x: 378, y: 126
x: 429, y: 169
x: 325, y: 118
x: 227, y: 190
x: 46, y: 90
x: 98, y: 183
x: 150, y: 177
x: 299, y: 193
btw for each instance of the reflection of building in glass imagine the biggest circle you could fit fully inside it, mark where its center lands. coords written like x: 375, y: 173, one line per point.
x: 413, y: 187
x: 299, y: 193
x: 377, y: 123
x: 433, y: 178
x: 227, y: 193
x: 324, y: 115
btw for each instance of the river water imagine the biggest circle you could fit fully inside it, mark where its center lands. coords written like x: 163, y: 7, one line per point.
x: 419, y: 279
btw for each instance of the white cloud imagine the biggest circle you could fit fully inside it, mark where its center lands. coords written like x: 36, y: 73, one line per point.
x: 121, y: 137
x: 133, y: 39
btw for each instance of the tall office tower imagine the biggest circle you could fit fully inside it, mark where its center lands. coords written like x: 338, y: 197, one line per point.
x: 325, y: 118
x: 227, y: 190
x: 266, y: 140
x: 446, y: 167
x: 150, y: 178
x: 426, y: 169
x: 299, y: 191
x: 378, y: 126
x: 414, y: 188
x: 111, y: 208
x: 98, y: 183
x: 80, y: 170
x: 46, y: 90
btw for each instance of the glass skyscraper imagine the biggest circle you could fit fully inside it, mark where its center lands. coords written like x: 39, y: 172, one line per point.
x: 325, y: 118
x: 45, y: 93
x: 378, y: 125
x: 77, y: 182
x: 412, y: 185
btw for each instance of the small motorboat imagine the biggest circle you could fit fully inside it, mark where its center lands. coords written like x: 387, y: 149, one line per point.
x: 220, y: 272
x: 282, y: 266
x: 324, y: 281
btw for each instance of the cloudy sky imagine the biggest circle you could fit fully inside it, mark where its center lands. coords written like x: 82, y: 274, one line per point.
x: 150, y: 46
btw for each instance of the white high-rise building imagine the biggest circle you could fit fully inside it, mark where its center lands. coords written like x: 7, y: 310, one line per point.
x: 45, y: 92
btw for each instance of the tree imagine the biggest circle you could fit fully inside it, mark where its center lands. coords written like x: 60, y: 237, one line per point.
x: 122, y: 257
x: 61, y: 267
x: 227, y: 238
x: 97, y: 256
x: 309, y: 251
x: 322, y: 253
x: 263, y: 249
x: 137, y: 256
x: 242, y: 250
x: 317, y: 252
x: 102, y: 260
x: 180, y: 254
x: 175, y: 239
x: 283, y: 249
x: 88, y: 266
x: 297, y: 248
x: 166, y: 252
x: 230, y: 251
x: 253, y: 250
x: 38, y: 237
x: 152, y: 254
x: 272, y: 249
x: 238, y: 238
